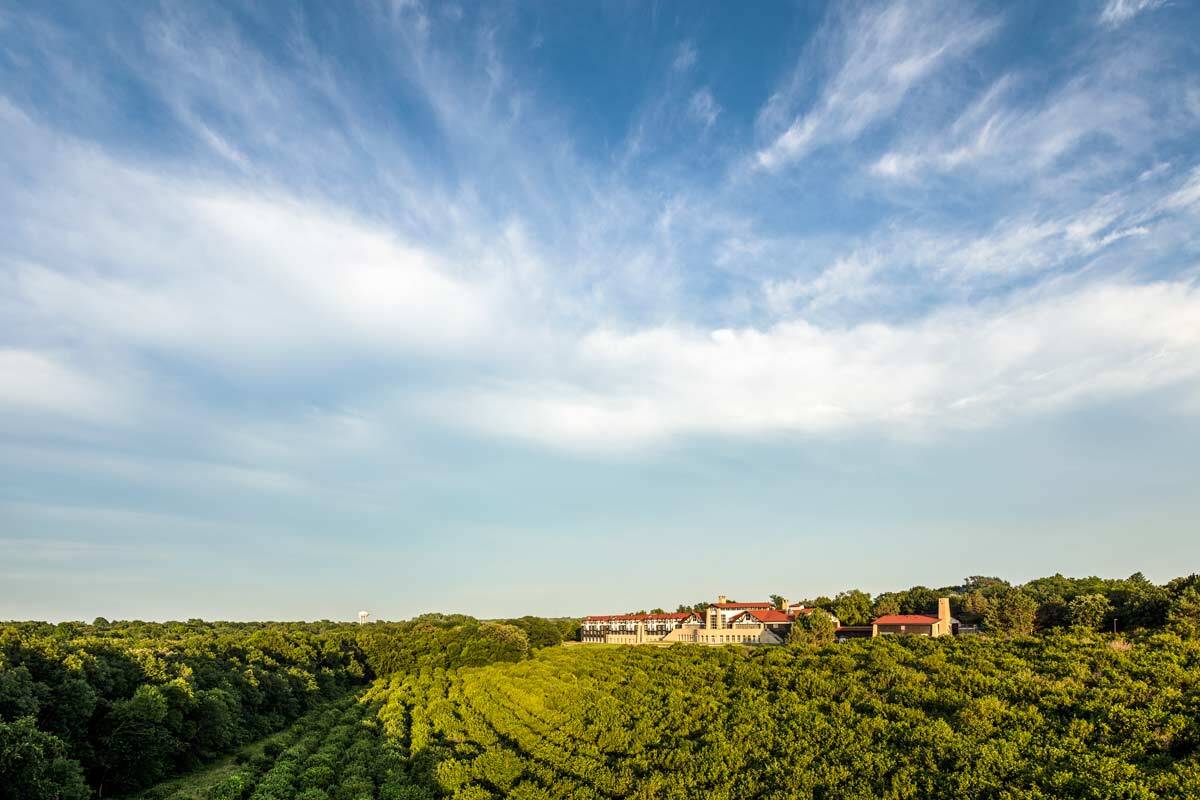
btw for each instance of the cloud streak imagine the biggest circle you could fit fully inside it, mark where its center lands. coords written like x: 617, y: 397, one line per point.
x: 1118, y: 12
x: 876, y: 58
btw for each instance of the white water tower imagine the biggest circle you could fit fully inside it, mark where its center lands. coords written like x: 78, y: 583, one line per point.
x: 362, y: 617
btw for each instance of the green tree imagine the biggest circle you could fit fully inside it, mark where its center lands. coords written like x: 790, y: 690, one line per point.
x: 18, y: 693
x: 1053, y: 611
x: 777, y: 600
x: 34, y: 766
x: 887, y: 603
x: 215, y: 719
x: 1140, y: 604
x: 68, y: 710
x: 233, y: 787
x: 138, y: 749
x: 919, y: 600
x: 1011, y: 612
x: 1184, y: 614
x: 1089, y: 611
x: 852, y: 607
x: 542, y: 632
x: 974, y: 606
x: 814, y: 629
x: 984, y: 584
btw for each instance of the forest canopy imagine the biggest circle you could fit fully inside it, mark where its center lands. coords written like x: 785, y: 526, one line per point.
x: 117, y: 706
x: 1046, y: 702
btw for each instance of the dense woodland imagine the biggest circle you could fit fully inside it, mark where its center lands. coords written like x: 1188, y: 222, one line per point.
x: 108, y: 708
x: 1047, y: 702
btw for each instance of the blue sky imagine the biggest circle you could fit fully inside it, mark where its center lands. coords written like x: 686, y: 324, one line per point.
x: 556, y: 309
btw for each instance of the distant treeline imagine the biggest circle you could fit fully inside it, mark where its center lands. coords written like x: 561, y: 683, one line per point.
x: 112, y: 707
x: 455, y: 640
x: 1042, y: 604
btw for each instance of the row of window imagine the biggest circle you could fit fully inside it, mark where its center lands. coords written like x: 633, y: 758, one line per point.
x: 733, y: 637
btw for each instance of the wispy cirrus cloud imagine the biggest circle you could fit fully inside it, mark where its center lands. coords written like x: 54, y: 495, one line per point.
x: 1118, y: 12
x: 703, y: 108
x: 1005, y: 135
x: 269, y: 281
x: 874, y: 58
x: 686, y: 56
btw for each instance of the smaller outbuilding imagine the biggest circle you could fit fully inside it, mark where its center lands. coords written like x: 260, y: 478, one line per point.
x: 916, y: 624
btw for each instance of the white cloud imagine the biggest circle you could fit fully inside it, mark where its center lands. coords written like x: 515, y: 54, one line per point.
x: 878, y: 57
x: 165, y: 264
x: 558, y: 307
x: 1186, y: 197
x: 1008, y: 139
x: 882, y: 274
x: 850, y: 279
x: 956, y: 368
x: 703, y: 108
x: 1118, y: 12
x: 33, y: 382
x: 685, y: 56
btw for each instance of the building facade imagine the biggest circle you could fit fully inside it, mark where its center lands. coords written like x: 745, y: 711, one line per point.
x: 724, y: 622
x: 721, y: 623
x: 917, y: 624
x: 635, y: 628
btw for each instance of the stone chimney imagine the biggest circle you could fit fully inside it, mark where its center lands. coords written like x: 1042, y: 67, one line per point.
x: 944, y: 612
x: 720, y: 599
x: 784, y: 603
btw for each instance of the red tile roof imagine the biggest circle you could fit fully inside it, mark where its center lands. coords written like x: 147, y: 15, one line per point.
x: 635, y: 617
x: 904, y: 619
x: 767, y: 604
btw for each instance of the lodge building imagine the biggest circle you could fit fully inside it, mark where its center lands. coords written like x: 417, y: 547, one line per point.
x: 724, y: 622
x: 917, y: 624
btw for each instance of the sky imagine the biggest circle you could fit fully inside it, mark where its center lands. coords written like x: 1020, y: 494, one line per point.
x: 590, y: 307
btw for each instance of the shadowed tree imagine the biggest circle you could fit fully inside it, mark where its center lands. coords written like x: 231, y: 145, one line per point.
x: 887, y: 603
x: 1184, y: 615
x: 1011, y: 612
x: 139, y: 747
x: 1089, y: 611
x: 33, y: 765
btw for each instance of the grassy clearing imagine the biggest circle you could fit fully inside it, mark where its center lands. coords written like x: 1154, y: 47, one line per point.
x: 198, y: 785
x: 203, y: 783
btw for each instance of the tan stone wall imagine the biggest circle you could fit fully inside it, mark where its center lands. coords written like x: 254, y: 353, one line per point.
x: 684, y: 634
x: 742, y: 634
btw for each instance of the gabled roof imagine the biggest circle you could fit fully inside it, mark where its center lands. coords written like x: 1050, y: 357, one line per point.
x: 904, y: 619
x: 678, y: 615
x: 764, y: 615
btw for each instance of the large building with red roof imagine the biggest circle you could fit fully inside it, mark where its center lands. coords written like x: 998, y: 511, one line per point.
x: 725, y: 622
